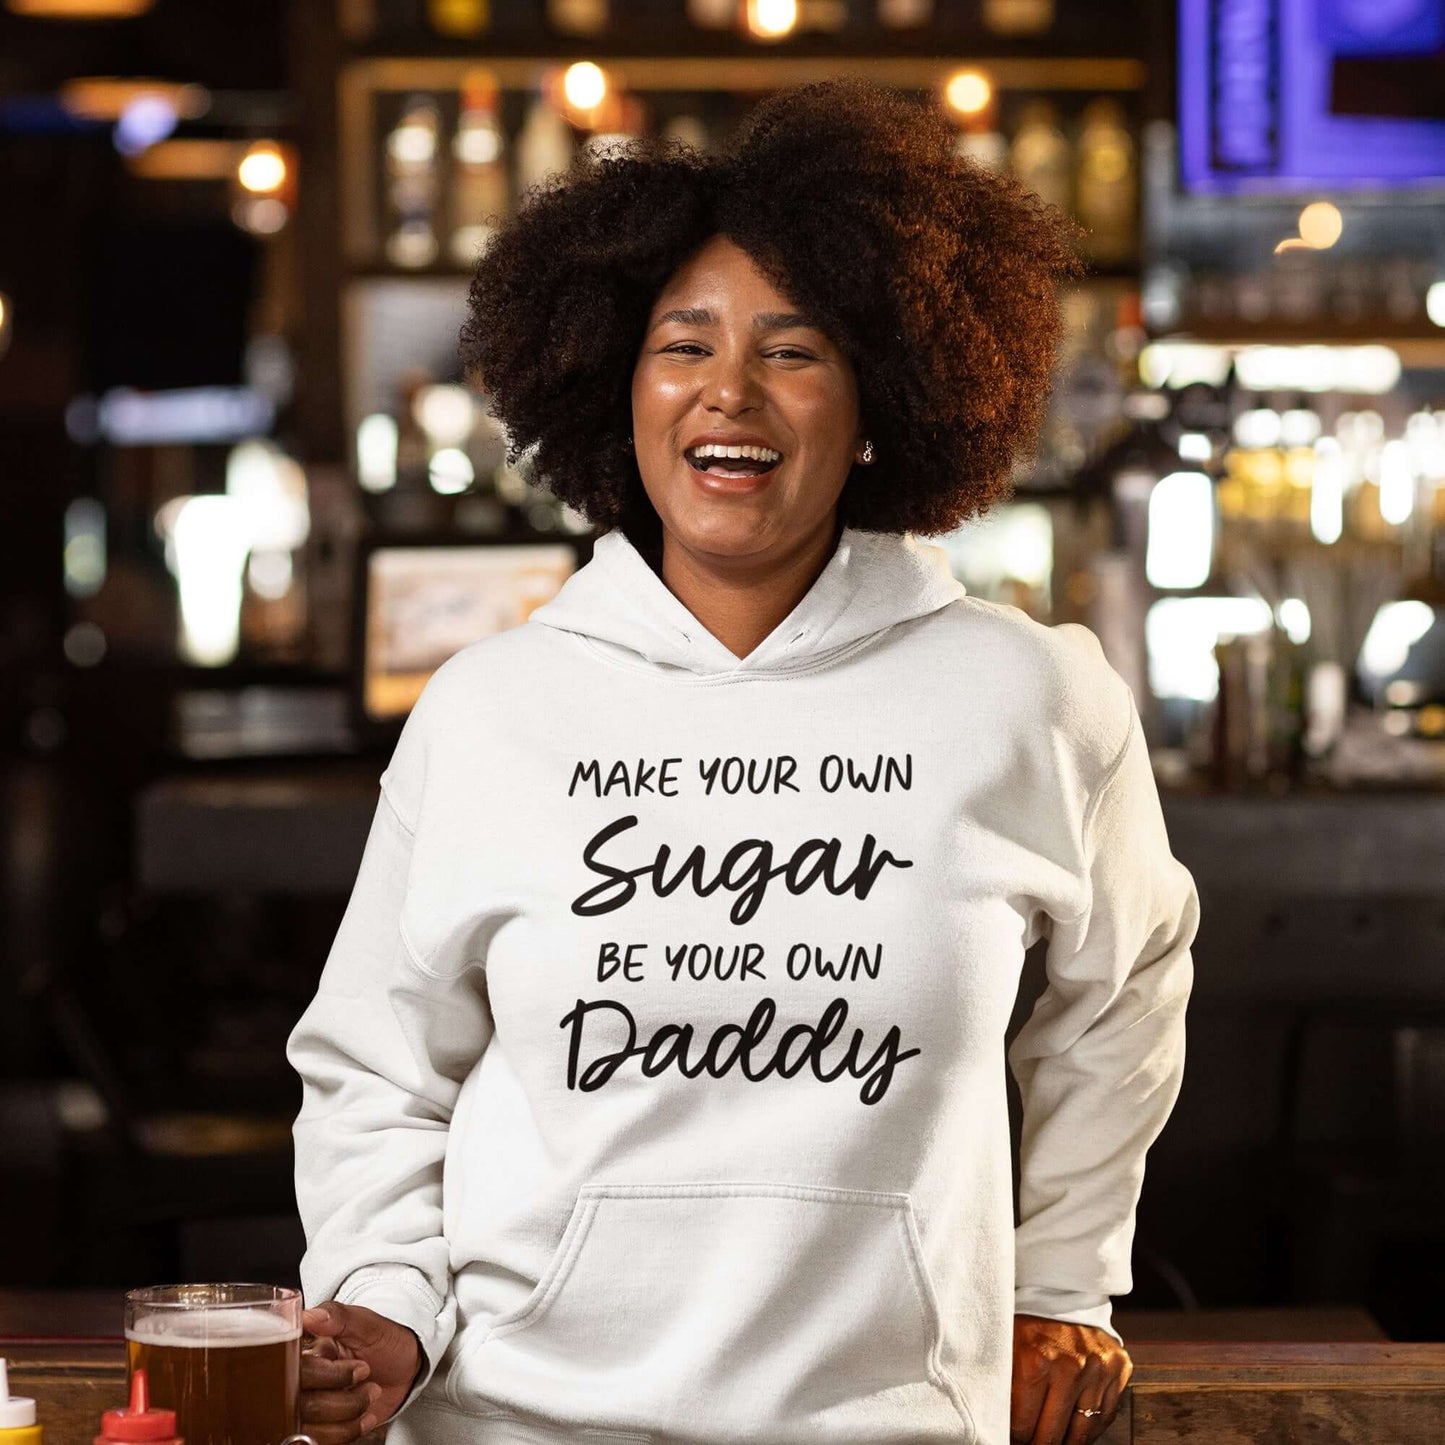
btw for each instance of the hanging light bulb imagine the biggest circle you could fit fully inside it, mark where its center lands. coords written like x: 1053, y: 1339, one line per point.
x: 262, y: 169
x: 771, y: 19
x: 968, y: 91
x: 584, y: 85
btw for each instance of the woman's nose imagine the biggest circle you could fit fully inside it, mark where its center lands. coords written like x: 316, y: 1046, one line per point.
x: 731, y: 381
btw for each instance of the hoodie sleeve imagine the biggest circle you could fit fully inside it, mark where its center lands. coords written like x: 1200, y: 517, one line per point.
x: 1074, y: 1306
x: 382, y: 1051
x: 1100, y: 1059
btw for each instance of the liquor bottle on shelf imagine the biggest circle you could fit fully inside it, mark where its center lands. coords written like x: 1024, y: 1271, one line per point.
x: 625, y: 121
x: 544, y: 144
x: 1018, y: 17
x: 1362, y: 435
x: 1251, y: 492
x: 387, y: 17
x: 987, y: 147
x: 713, y: 14
x: 1299, y: 429
x: 973, y: 101
x: 413, y: 452
x: 481, y: 191
x: 826, y: 16
x: 413, y: 184
x: 413, y: 504
x: 1108, y: 186
x: 1427, y: 581
x: 690, y: 129
x: 482, y: 509
x: 578, y: 17
x: 462, y: 18
x: 980, y: 139
x: 905, y: 14
x: 1041, y: 156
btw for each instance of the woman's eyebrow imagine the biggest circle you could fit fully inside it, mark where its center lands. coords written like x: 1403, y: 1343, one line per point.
x: 762, y: 321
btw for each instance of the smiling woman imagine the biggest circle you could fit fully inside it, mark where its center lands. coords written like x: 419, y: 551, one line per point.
x: 764, y: 1195
x: 711, y: 453
x: 745, y: 418
x: 885, y: 290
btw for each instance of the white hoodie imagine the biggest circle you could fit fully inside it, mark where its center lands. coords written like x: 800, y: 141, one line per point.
x: 656, y: 1077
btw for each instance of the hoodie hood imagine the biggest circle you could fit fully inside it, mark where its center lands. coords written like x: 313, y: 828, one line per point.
x: 873, y: 581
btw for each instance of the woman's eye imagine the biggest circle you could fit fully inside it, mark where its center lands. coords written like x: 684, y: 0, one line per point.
x: 681, y: 346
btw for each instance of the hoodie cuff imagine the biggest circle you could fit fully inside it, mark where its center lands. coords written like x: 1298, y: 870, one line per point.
x: 1075, y: 1307
x: 402, y: 1294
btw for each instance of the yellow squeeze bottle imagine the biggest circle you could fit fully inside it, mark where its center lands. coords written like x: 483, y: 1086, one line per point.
x: 17, y: 1415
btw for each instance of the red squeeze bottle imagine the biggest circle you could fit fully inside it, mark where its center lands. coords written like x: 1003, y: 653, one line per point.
x: 138, y: 1421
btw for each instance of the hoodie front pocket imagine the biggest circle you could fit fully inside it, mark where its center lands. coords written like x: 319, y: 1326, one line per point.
x: 726, y: 1312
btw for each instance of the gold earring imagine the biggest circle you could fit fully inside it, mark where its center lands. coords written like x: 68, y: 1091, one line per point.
x: 867, y: 451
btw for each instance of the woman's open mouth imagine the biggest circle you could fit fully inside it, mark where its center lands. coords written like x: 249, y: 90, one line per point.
x: 740, y: 464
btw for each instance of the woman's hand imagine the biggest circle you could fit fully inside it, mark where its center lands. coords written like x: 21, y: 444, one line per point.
x: 1060, y: 1369
x: 358, y: 1372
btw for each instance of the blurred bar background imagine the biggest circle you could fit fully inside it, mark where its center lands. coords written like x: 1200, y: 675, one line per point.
x: 248, y: 504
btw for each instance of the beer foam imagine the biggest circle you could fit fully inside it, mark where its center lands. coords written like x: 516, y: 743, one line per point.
x: 202, y: 1328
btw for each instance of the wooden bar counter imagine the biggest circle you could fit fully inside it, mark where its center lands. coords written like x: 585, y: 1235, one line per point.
x: 1208, y: 1377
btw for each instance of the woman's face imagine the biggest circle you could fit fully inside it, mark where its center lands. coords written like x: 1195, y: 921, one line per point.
x: 726, y: 356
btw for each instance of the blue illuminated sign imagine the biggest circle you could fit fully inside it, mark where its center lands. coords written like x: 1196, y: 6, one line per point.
x: 1382, y: 27
x: 1254, y: 96
x: 1244, y: 87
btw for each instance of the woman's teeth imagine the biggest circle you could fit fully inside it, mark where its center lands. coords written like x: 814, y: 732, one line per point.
x: 711, y: 457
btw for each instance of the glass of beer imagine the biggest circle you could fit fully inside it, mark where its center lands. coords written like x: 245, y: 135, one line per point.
x: 225, y: 1357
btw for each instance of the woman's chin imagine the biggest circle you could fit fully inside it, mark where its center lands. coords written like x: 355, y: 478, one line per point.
x: 744, y: 510
x: 724, y: 529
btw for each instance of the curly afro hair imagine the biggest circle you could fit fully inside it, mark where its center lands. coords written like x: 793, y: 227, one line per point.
x: 938, y: 279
